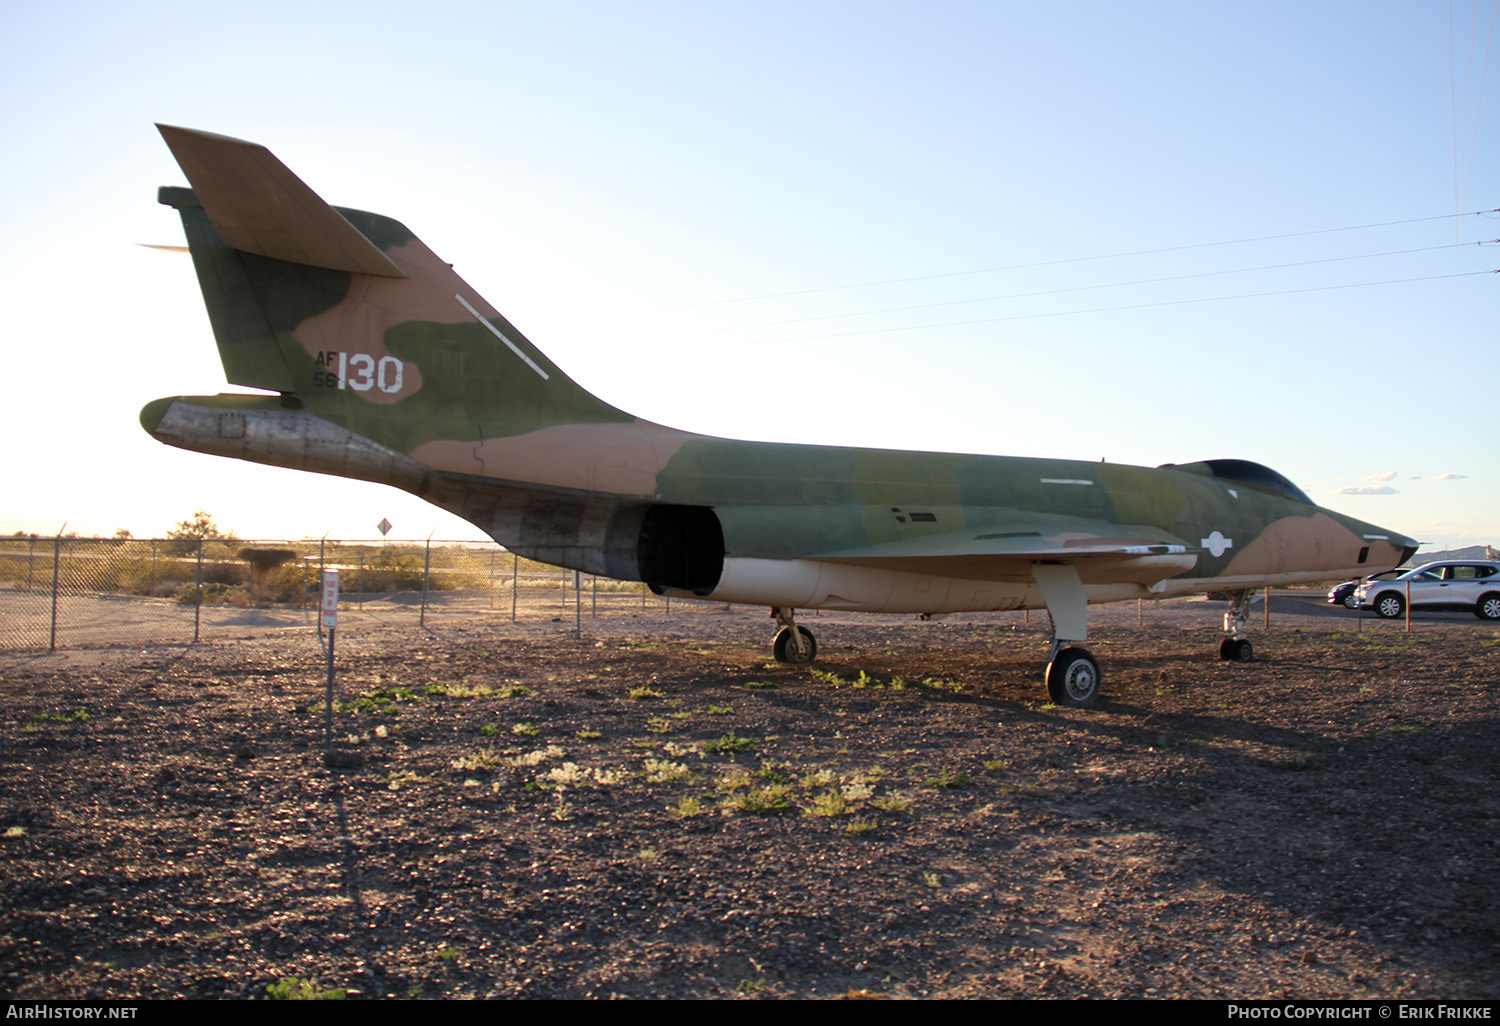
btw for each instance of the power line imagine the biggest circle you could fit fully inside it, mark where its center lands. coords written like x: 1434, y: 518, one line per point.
x: 1106, y: 309
x: 1106, y: 285
x: 1479, y: 100
x: 1082, y: 259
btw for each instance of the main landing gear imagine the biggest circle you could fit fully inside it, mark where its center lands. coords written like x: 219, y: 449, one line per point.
x: 1237, y: 648
x: 1073, y: 676
x: 793, y: 644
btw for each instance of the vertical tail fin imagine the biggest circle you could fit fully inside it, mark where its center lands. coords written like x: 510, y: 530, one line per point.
x: 391, y: 369
x: 348, y: 315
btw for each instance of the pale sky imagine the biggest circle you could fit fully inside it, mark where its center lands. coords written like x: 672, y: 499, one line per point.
x: 785, y: 221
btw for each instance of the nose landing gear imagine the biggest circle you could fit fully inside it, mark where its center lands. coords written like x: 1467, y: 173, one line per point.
x: 1237, y: 648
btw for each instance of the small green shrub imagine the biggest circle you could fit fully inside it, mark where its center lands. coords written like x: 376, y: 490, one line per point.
x: 664, y: 771
x: 291, y: 988
x: 730, y: 743
x: 952, y: 781
x: 828, y: 804
x: 76, y: 716
x: 686, y: 808
x: 775, y: 800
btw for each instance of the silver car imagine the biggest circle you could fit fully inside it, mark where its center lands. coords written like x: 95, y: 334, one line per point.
x: 1465, y: 586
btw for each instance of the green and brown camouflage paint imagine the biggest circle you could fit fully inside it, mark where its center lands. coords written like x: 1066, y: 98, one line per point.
x: 406, y: 376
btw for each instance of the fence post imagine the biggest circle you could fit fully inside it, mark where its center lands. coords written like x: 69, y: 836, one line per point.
x: 515, y: 569
x: 198, y: 594
x: 30, y: 560
x: 426, y: 566
x: 56, y: 560
x: 152, y: 592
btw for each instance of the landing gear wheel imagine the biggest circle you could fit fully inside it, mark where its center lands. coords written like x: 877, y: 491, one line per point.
x: 1236, y: 650
x: 1073, y: 678
x: 786, y: 652
x: 1390, y: 605
x: 1488, y: 607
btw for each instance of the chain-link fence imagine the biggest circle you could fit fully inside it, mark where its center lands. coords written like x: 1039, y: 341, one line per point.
x: 70, y: 592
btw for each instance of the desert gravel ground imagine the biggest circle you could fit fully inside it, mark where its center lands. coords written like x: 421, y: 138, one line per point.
x: 655, y: 809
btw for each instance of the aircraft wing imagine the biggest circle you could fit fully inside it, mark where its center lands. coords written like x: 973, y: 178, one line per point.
x: 1098, y: 551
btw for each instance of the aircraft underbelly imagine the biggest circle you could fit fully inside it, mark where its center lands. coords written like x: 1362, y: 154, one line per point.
x: 815, y: 584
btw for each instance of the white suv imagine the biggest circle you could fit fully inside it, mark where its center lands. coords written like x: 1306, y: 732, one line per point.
x: 1462, y: 586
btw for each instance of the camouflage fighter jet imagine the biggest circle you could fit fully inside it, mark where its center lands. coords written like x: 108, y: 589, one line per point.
x: 385, y: 366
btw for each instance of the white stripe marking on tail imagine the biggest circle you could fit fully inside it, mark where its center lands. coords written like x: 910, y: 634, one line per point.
x: 498, y: 334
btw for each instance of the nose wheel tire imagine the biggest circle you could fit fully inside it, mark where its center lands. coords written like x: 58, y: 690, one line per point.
x: 1073, y: 678
x: 1390, y: 605
x: 1236, y: 650
x: 786, y: 652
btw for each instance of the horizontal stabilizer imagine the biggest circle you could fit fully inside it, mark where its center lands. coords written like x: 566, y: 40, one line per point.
x: 258, y: 206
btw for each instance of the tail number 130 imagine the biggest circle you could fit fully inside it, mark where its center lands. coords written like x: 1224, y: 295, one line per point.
x: 362, y: 372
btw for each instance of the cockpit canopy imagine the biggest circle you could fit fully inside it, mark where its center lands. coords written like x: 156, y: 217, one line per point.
x: 1251, y: 475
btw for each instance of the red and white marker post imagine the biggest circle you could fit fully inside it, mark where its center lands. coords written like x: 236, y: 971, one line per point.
x: 328, y: 619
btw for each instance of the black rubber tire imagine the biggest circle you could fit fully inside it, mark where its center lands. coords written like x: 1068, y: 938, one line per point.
x: 1073, y: 678
x: 782, y: 647
x: 1236, y: 650
x: 1488, y: 606
x: 1390, y: 605
x: 1351, y: 600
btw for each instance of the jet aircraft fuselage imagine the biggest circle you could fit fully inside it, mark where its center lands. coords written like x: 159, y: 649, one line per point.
x: 387, y: 367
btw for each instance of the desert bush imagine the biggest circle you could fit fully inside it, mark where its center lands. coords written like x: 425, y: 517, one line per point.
x: 183, y: 538
x: 226, y: 573
x: 393, y: 569
x: 18, y: 571
x: 291, y: 581
x: 215, y: 595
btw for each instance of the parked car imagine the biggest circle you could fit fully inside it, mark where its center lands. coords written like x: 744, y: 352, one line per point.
x: 1461, y: 585
x: 1343, y: 594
